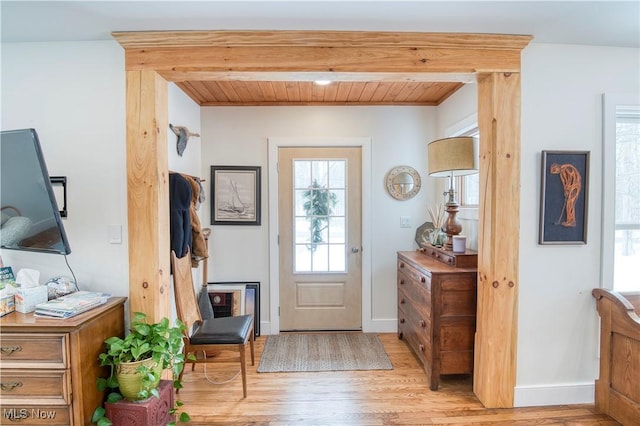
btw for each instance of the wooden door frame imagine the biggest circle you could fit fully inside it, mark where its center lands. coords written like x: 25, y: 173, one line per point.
x: 154, y: 58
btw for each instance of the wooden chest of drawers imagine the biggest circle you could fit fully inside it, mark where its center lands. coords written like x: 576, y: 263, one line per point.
x: 437, y: 313
x: 49, y: 367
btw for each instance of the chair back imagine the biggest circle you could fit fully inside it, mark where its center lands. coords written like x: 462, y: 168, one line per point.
x: 185, y: 295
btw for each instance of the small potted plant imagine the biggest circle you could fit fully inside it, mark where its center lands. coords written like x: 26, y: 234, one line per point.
x: 137, y: 361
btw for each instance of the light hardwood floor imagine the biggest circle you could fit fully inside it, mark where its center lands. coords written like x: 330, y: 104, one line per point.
x: 386, y: 397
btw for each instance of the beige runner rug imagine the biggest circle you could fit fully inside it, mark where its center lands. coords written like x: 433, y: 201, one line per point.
x: 288, y: 352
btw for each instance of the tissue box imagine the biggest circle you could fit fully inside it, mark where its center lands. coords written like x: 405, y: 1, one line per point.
x: 28, y: 297
x: 7, y: 304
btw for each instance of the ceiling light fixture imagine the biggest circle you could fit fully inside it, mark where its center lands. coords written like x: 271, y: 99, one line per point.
x: 323, y: 82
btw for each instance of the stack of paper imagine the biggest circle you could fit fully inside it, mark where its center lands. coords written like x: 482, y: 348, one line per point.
x: 71, y: 304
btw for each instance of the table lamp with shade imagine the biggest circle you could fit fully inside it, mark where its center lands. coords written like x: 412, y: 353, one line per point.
x: 451, y: 157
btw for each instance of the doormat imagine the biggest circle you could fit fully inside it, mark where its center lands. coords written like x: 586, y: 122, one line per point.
x: 292, y: 352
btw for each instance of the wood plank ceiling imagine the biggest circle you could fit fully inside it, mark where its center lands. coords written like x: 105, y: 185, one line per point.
x: 280, y: 93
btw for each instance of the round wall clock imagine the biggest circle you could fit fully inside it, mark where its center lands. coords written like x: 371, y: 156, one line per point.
x: 403, y: 182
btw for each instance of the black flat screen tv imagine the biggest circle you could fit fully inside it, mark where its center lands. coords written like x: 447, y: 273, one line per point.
x: 30, y: 219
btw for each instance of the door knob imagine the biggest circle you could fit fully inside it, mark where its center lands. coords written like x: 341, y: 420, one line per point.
x: 355, y: 249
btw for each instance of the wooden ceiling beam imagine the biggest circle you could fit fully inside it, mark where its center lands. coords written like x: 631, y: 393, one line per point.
x: 153, y: 39
x: 309, y: 59
x: 312, y: 55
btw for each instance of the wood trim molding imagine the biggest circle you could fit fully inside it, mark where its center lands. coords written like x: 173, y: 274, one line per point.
x: 159, y: 39
x: 498, y: 239
x: 148, y: 194
x: 172, y: 56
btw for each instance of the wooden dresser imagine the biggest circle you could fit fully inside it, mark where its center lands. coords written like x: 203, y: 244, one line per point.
x: 437, y: 309
x: 49, y: 367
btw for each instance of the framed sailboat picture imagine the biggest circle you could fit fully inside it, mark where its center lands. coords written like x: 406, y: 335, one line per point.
x: 235, y: 195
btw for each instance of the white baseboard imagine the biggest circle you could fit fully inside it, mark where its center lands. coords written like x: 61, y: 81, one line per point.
x: 382, y: 326
x: 570, y: 393
x: 265, y: 328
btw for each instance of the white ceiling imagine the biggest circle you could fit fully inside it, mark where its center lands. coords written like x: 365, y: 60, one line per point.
x: 607, y: 23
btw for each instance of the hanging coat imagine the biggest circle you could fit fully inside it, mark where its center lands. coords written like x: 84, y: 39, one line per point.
x: 179, y: 213
x: 198, y: 244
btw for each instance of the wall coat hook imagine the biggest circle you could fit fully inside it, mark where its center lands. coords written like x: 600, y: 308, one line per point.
x: 183, y: 137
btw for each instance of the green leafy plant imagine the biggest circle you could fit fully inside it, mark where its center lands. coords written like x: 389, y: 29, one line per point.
x: 318, y: 206
x: 159, y: 341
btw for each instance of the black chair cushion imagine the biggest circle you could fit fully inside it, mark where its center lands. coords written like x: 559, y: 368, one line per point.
x: 222, y: 330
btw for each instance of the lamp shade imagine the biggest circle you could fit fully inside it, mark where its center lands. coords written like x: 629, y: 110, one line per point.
x: 453, y: 156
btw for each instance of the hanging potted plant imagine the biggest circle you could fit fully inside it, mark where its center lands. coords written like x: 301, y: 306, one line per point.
x: 136, y: 363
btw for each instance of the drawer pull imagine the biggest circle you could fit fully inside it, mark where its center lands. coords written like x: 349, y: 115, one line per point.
x: 402, y: 264
x: 422, y: 323
x: 423, y: 280
x: 402, y: 301
x: 401, y: 320
x: 421, y: 347
x: 9, y: 386
x: 402, y: 281
x: 8, y: 350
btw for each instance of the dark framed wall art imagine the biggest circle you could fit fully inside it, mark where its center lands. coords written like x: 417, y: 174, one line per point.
x: 236, y: 298
x: 564, y: 197
x: 235, y: 195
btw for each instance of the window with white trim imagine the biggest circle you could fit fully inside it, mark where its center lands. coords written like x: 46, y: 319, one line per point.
x: 620, y: 192
x: 468, y: 187
x: 627, y: 199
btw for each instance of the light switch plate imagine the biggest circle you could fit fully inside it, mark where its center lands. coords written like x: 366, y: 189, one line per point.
x: 115, y: 234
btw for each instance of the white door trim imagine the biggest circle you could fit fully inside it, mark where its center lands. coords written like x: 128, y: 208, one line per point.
x: 274, y: 253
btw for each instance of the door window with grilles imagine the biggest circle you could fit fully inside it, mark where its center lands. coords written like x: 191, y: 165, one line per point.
x: 320, y: 215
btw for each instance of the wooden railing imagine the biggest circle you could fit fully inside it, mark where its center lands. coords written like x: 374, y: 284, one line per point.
x: 618, y: 385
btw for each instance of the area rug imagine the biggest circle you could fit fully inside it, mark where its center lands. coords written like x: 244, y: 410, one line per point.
x: 289, y: 352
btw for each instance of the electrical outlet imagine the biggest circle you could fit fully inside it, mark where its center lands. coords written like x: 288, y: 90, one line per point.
x: 405, y: 222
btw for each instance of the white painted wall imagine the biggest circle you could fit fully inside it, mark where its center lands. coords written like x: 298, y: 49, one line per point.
x: 238, y: 136
x: 74, y: 95
x: 77, y: 106
x: 562, y: 89
x: 183, y: 111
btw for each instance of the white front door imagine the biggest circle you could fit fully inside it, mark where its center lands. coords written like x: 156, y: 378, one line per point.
x: 320, y: 238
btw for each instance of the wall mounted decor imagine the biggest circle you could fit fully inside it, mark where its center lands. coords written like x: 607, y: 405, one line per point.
x: 183, y: 135
x: 423, y: 232
x: 564, y: 197
x: 235, y: 195
x: 403, y: 182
